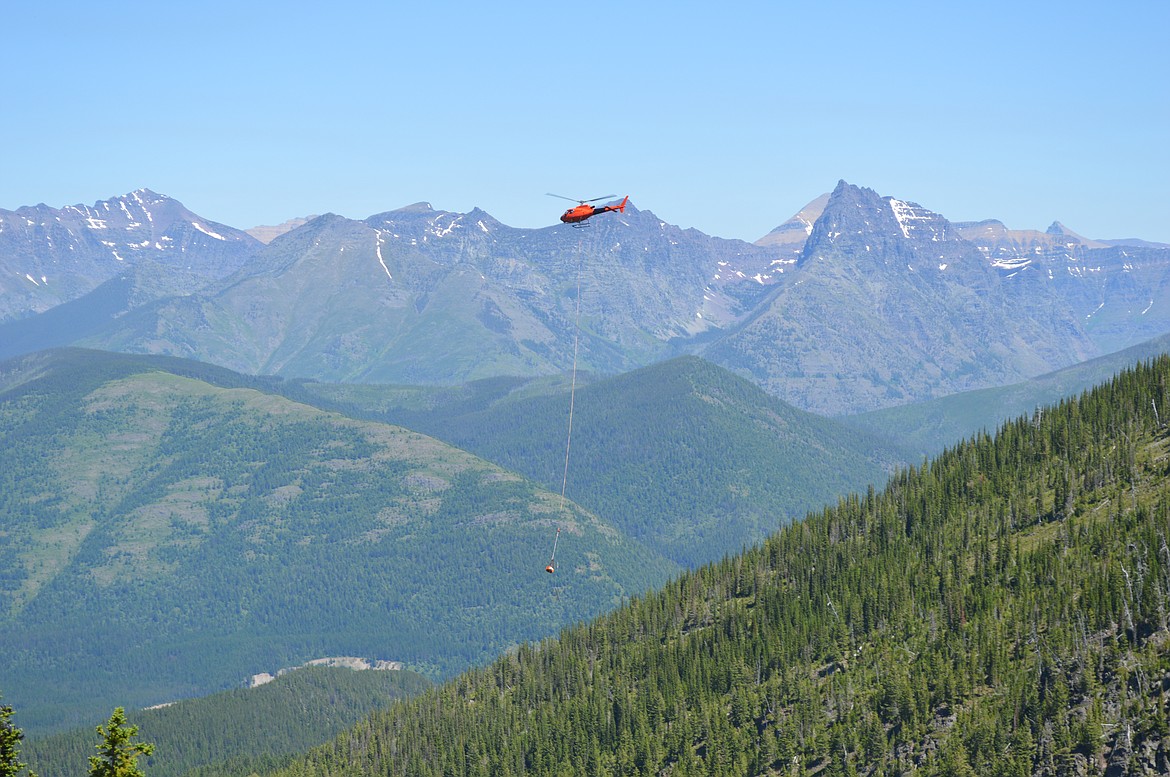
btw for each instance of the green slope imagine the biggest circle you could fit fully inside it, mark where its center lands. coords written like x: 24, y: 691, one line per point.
x: 1004, y: 610
x: 685, y: 456
x: 170, y: 537
x: 926, y: 428
x: 240, y: 731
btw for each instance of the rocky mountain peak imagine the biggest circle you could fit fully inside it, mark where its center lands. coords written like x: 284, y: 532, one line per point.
x: 417, y: 207
x: 859, y: 220
x: 1060, y: 231
x: 266, y: 233
x: 793, y: 233
x: 58, y: 254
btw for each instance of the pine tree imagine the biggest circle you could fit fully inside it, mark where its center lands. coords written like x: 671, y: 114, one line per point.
x: 118, y: 755
x: 10, y: 737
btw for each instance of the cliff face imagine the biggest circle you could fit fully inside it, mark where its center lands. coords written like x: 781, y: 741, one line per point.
x: 889, y: 304
x: 342, y: 662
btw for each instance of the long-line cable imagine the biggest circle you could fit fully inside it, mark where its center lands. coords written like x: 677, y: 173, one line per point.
x: 572, y: 401
x: 573, y: 381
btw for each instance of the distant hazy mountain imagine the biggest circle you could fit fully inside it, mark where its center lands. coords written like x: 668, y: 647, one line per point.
x: 1011, y: 248
x: 49, y: 256
x: 169, y: 532
x: 1118, y: 289
x: 860, y: 301
x: 794, y: 233
x: 266, y: 234
x: 889, y: 303
x: 1002, y: 245
x: 419, y: 296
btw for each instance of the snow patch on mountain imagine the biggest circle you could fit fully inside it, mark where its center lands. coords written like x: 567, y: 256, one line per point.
x: 913, y: 219
x: 439, y: 230
x: 378, y: 250
x: 207, y: 231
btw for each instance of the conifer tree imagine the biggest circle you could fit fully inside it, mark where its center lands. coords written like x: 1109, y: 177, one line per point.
x: 118, y: 755
x: 10, y: 737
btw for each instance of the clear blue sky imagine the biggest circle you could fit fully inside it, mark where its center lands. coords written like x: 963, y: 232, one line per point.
x: 723, y: 116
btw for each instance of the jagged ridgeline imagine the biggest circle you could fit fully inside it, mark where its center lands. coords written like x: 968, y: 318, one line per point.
x: 1002, y: 610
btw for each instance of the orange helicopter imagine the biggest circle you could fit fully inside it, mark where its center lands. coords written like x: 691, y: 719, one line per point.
x: 575, y: 216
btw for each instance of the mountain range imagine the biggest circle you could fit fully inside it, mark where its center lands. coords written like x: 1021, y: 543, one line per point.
x: 49, y: 256
x: 858, y: 302
x: 246, y: 523
x: 365, y: 460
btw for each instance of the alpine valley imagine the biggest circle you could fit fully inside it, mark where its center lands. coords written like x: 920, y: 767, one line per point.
x: 225, y: 452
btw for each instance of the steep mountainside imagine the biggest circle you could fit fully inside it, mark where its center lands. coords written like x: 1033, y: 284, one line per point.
x: 889, y: 304
x: 241, y: 731
x: 1004, y: 610
x: 926, y: 428
x: 857, y: 302
x: 167, y: 537
x: 690, y: 459
x: 423, y: 296
x: 1011, y: 249
x: 49, y: 256
x: 1119, y: 289
x: 101, y: 310
x: 1121, y: 293
x: 794, y: 233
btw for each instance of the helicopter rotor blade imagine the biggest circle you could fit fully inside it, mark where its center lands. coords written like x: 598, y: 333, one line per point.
x: 571, y: 199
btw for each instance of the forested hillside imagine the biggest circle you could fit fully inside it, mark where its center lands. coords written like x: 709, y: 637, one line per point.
x: 925, y: 429
x: 239, y: 731
x: 1002, y: 610
x: 687, y: 457
x: 165, y: 537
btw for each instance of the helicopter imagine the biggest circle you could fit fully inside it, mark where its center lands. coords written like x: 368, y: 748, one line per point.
x: 575, y: 216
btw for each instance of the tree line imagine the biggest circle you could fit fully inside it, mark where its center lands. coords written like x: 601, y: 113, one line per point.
x: 1000, y: 610
x: 117, y: 756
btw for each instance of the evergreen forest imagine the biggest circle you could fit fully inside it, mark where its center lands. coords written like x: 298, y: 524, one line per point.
x: 684, y: 456
x: 1003, y: 609
x: 238, y: 732
x: 168, y: 538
